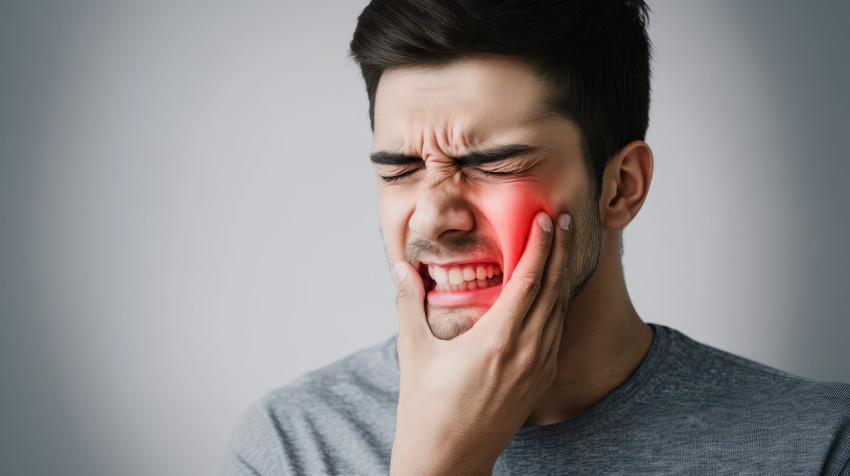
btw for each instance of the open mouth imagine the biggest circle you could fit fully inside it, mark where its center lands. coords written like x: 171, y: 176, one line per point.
x: 460, y: 277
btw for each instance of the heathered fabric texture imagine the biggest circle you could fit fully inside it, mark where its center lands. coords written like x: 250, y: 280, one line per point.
x: 688, y: 409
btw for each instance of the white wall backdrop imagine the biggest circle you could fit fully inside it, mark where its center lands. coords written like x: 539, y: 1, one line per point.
x: 188, y: 217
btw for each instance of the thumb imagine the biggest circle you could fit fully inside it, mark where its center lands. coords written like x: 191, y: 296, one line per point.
x: 410, y: 303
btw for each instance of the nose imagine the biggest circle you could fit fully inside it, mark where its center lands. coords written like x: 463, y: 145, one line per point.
x: 441, y: 209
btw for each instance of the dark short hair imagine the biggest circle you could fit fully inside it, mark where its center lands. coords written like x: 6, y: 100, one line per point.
x: 595, y: 55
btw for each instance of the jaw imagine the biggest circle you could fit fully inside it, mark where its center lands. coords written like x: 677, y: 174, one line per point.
x: 448, y: 323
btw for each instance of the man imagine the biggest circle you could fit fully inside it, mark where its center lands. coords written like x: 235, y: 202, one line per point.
x: 508, y: 145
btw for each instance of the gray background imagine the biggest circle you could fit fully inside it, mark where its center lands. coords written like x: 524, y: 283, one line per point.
x: 189, y: 215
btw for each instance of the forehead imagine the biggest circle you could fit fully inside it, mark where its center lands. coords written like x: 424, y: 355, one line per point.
x: 459, y: 104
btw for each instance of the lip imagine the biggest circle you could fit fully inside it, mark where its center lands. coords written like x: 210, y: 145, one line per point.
x: 468, y: 298
x: 448, y: 264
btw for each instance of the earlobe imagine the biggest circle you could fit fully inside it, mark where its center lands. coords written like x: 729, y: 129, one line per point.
x: 625, y: 185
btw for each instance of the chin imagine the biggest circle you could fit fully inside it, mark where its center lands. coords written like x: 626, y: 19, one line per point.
x: 448, y: 323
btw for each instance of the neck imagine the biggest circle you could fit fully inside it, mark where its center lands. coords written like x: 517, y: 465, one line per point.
x: 603, y: 343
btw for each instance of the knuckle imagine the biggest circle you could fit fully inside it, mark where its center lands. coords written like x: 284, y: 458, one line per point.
x: 562, y: 270
x: 556, y: 280
x: 500, y: 348
x: 543, y: 247
x: 528, y: 363
x: 401, y: 296
x: 564, y: 301
x: 564, y: 240
x: 530, y: 285
x: 405, y: 294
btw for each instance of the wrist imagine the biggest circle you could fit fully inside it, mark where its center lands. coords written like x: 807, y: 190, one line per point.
x: 420, y: 458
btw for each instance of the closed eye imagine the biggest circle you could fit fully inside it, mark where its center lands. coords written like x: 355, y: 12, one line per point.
x: 500, y: 173
x: 512, y: 168
x: 405, y: 172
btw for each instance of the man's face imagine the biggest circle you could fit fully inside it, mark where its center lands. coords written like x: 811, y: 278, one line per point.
x: 465, y: 157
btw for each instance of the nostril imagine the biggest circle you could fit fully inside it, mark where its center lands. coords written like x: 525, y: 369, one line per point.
x: 438, y: 214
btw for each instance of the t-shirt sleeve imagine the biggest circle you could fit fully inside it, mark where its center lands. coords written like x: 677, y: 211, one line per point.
x: 235, y: 465
x: 258, y: 446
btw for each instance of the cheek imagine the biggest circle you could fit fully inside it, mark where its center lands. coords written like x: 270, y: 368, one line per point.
x: 393, y: 214
x: 510, y: 211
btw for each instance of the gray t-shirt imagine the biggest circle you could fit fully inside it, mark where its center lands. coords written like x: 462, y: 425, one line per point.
x: 688, y: 409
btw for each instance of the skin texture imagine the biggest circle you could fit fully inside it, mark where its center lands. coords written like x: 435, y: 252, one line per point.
x: 563, y: 333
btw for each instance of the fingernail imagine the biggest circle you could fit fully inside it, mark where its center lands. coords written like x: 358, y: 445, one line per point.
x: 399, y: 272
x: 564, y: 221
x: 545, y: 222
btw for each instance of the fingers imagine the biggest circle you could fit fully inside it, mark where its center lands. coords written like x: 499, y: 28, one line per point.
x: 519, y: 292
x: 410, y: 303
x: 550, y: 339
x: 545, y: 322
x: 555, y: 285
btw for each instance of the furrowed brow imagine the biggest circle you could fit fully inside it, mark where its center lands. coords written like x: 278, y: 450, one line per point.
x: 393, y: 158
x: 494, y: 154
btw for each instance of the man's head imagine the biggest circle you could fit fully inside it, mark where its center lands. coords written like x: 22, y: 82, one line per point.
x: 485, y: 113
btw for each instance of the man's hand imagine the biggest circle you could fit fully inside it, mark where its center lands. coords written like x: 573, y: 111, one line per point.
x: 462, y: 400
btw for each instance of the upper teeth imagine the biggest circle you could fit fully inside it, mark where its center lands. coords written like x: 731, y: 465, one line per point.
x: 459, y: 274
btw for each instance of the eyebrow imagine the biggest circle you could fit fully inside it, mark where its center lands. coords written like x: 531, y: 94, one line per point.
x: 485, y: 156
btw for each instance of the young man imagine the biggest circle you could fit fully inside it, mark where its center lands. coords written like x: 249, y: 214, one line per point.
x: 508, y: 144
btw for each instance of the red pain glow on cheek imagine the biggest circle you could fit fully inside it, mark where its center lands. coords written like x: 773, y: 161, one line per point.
x: 511, y: 211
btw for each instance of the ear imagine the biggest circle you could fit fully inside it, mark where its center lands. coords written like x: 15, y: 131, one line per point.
x: 625, y: 184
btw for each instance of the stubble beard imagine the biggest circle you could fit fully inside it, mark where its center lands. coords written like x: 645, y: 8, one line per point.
x: 450, y: 323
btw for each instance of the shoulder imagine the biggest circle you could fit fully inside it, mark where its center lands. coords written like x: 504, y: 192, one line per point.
x: 300, y: 427
x: 804, y: 417
x: 709, y: 371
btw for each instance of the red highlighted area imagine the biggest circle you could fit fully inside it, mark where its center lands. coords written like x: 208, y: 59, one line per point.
x: 507, y: 213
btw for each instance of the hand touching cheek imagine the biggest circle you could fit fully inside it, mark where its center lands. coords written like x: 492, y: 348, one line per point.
x: 462, y: 400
